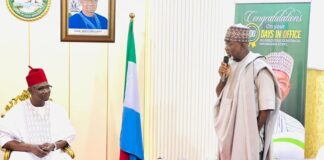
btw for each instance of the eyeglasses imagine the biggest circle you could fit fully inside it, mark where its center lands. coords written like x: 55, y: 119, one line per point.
x: 43, y: 88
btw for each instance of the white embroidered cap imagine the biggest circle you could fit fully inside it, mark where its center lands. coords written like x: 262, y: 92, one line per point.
x: 237, y: 33
x: 281, y: 61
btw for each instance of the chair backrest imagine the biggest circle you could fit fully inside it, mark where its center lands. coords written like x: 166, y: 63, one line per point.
x: 23, y: 96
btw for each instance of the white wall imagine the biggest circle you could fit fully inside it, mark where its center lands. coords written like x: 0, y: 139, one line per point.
x: 179, y: 46
x: 316, y: 33
x: 185, y: 46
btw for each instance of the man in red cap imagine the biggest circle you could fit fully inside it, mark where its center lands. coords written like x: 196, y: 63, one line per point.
x: 36, y: 128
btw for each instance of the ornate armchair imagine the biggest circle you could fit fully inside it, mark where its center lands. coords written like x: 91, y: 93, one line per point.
x: 23, y: 96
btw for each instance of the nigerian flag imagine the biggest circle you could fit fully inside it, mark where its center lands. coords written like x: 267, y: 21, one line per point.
x: 131, y: 145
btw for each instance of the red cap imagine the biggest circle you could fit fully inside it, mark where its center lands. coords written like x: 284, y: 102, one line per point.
x: 35, y: 76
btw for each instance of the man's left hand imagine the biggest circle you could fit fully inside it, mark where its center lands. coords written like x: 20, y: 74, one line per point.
x: 47, y: 147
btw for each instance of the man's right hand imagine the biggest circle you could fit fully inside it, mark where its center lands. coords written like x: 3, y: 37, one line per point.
x: 36, y: 150
x: 224, y: 70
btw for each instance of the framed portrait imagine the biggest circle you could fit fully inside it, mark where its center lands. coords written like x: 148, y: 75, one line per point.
x: 88, y: 20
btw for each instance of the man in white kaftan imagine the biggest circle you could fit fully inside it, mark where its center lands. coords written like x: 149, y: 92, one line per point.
x: 36, y: 129
x: 248, y: 101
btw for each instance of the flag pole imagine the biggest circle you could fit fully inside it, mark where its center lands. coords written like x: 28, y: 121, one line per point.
x: 131, y: 141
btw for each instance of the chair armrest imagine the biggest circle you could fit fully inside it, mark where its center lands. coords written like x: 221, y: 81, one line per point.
x: 69, y: 151
x: 6, y: 154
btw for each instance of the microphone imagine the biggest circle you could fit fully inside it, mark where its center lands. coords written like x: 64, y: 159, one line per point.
x: 225, y: 60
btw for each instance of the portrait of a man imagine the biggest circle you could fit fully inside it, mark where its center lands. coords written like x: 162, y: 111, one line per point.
x: 87, y: 18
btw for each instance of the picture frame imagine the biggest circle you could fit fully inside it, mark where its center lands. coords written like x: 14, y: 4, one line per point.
x: 88, y: 20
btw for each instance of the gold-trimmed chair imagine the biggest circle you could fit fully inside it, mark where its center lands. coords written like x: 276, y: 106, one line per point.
x: 23, y: 96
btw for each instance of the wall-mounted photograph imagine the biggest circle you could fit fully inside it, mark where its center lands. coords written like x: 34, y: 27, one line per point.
x: 88, y: 20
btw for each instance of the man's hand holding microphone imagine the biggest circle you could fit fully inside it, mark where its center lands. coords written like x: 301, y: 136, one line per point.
x: 224, y: 70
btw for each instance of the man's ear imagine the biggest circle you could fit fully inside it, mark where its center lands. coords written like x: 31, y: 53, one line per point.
x: 30, y: 90
x: 244, y: 44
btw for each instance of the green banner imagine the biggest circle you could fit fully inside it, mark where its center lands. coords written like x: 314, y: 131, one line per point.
x: 281, y: 27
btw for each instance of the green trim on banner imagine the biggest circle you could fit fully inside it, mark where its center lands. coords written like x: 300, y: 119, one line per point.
x: 290, y: 140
